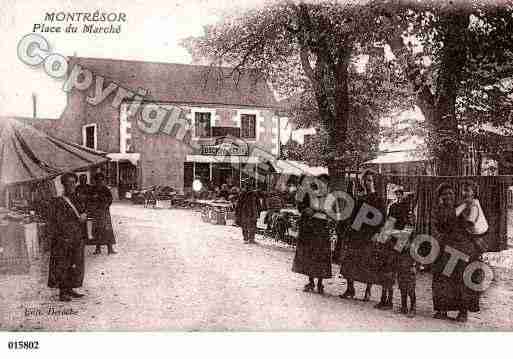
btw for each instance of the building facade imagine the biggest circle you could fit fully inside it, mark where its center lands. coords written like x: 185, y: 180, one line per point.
x: 227, y: 117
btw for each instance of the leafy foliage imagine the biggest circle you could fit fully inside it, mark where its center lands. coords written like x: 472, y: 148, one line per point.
x: 315, y: 54
x: 452, y: 59
x: 458, y: 58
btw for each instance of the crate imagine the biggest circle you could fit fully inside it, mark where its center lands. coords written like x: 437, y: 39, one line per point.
x: 163, y: 203
x: 230, y: 218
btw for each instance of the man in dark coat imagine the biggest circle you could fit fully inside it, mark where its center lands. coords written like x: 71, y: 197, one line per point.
x: 247, y: 211
x: 67, y: 238
x: 100, y: 201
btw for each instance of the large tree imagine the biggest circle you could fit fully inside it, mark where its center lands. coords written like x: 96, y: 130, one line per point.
x: 458, y: 57
x: 325, y: 51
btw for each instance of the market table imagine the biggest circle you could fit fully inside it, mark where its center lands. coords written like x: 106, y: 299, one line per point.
x: 217, y: 212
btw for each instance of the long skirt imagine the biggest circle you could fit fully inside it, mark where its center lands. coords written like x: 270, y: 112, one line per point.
x: 313, y: 249
x: 103, y: 233
x: 450, y: 292
x: 66, y: 268
x: 362, y: 261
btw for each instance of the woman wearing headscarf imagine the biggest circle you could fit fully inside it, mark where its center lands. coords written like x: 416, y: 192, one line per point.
x: 313, y: 248
x: 450, y: 293
x: 67, y: 241
x: 100, y: 201
x: 358, y: 260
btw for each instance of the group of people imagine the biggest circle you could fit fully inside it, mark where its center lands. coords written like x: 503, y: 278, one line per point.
x: 225, y: 192
x: 364, y: 259
x: 68, y: 231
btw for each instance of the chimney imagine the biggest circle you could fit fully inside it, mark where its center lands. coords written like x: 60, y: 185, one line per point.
x: 34, y: 106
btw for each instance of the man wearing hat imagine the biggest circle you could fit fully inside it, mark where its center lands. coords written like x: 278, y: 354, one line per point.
x: 247, y: 210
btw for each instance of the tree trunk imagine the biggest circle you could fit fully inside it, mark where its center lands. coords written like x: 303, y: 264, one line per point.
x: 453, y: 58
x: 439, y: 108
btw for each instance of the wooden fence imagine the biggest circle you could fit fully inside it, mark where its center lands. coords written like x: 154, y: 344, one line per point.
x: 493, y: 195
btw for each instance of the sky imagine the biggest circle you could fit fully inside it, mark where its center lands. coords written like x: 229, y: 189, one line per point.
x: 151, y: 33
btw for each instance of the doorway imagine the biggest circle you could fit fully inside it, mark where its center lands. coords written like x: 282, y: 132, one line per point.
x: 127, y: 178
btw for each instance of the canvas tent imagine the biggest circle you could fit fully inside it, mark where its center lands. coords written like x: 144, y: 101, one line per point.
x: 27, y: 154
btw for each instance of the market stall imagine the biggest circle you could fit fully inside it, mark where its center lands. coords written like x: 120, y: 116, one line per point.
x: 29, y: 160
x: 217, y: 212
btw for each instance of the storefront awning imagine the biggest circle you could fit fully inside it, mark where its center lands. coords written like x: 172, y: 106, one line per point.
x: 398, y: 157
x: 132, y: 157
x: 297, y: 168
x: 222, y: 159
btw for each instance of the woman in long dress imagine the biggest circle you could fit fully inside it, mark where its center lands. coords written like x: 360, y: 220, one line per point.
x: 67, y: 241
x: 313, y: 248
x: 100, y: 201
x: 358, y: 261
x: 450, y: 230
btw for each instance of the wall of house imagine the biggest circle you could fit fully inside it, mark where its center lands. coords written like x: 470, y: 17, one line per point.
x: 163, y: 156
x: 79, y: 112
x: 161, y: 159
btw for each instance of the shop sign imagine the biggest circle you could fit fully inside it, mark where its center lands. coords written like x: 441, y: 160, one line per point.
x: 226, y: 146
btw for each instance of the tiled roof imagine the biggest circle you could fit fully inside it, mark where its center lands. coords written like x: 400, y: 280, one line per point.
x: 181, y: 83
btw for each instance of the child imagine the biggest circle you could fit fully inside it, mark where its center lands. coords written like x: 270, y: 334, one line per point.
x: 386, y: 257
x: 405, y: 267
x: 398, y: 215
x: 470, y: 210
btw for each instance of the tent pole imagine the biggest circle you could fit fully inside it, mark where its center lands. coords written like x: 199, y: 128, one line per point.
x: 7, y: 197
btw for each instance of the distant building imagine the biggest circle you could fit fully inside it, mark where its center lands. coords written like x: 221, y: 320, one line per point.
x: 480, y: 157
x: 401, y: 162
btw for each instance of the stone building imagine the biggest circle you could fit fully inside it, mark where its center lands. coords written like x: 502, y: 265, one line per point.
x: 226, y: 115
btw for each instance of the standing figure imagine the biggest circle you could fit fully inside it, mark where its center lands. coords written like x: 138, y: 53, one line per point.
x: 400, y: 209
x: 450, y: 293
x: 406, y: 279
x: 67, y: 241
x: 83, y: 190
x: 101, y: 199
x: 358, y: 261
x: 247, y: 210
x: 313, y: 248
x: 224, y: 192
x: 386, y: 255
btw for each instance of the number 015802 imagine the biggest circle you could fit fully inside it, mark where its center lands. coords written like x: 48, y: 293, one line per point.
x: 23, y: 345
